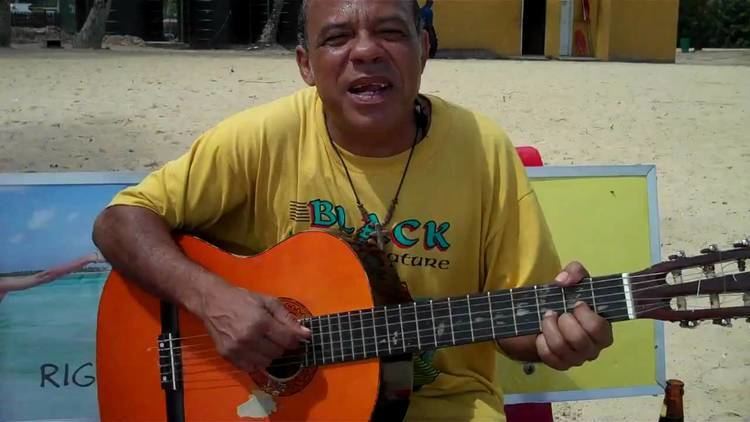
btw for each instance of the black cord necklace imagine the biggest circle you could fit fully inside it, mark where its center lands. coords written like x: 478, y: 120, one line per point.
x: 378, y: 229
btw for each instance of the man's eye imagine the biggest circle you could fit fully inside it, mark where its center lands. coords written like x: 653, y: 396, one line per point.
x: 392, y: 33
x: 337, y: 39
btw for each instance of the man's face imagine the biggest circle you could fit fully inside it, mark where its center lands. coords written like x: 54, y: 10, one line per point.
x: 366, y: 59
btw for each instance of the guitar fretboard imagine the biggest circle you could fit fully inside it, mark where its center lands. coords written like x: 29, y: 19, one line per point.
x: 427, y: 325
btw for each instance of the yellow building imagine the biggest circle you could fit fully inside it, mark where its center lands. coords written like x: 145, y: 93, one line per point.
x: 624, y: 30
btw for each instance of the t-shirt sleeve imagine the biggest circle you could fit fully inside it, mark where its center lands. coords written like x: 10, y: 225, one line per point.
x: 198, y: 188
x: 519, y: 249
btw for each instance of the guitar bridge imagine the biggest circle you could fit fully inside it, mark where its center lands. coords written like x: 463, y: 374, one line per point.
x: 170, y: 362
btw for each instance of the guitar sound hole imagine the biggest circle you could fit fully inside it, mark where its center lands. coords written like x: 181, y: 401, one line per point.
x: 282, y: 369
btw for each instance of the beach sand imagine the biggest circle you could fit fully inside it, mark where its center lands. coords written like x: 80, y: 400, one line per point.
x: 134, y: 109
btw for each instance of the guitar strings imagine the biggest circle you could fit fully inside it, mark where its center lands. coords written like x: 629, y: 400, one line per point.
x: 189, y: 377
x: 344, y: 345
x: 300, y: 360
x: 443, y: 305
x: 375, y: 310
x: 345, y: 350
x: 540, y: 289
x: 371, y: 341
x: 276, y: 364
x: 331, y: 328
x: 296, y: 360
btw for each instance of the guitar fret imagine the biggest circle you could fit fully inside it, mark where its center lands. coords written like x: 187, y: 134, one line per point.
x: 513, y: 310
x: 526, y: 304
x: 450, y: 322
x: 480, y: 318
x: 351, y: 333
x: 387, y: 329
x: 593, y: 296
x: 564, y: 301
x: 375, y: 333
x: 538, y: 308
x: 492, y: 315
x: 341, y: 336
x: 403, y: 334
x: 312, y: 337
x: 434, y: 329
x: 362, y: 330
x: 323, y: 339
x: 330, y: 336
x: 419, y: 333
x: 471, y: 323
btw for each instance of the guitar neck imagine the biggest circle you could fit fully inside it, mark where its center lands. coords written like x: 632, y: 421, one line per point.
x: 428, y: 325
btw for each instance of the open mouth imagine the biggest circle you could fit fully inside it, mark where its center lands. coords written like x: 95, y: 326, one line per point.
x: 370, y: 91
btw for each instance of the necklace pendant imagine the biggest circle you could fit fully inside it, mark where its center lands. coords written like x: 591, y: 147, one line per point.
x: 380, y: 238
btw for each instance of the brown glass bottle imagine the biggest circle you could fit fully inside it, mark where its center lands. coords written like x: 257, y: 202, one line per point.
x: 671, y: 410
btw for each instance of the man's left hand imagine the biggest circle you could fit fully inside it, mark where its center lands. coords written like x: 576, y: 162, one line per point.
x: 575, y: 337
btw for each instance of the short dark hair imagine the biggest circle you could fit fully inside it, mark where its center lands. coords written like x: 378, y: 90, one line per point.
x: 302, y: 21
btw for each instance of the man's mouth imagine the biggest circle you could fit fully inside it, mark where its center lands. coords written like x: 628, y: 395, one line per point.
x: 370, y: 90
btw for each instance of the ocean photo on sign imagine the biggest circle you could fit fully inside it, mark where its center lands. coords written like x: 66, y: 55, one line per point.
x: 48, y: 318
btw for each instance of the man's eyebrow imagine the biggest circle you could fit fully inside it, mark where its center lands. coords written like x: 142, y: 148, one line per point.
x: 378, y: 21
x: 391, y: 19
x: 333, y: 26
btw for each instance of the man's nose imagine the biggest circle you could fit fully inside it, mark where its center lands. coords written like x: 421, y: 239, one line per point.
x: 366, y: 48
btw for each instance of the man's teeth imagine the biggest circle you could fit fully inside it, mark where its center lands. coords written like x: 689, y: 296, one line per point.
x: 370, y: 87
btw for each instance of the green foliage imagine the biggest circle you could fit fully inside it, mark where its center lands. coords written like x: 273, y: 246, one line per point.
x: 715, y: 23
x: 732, y: 23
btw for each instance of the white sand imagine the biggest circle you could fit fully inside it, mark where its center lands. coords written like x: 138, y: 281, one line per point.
x: 133, y: 110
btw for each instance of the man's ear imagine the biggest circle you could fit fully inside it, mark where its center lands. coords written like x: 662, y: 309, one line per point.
x: 303, y: 62
x: 425, y: 48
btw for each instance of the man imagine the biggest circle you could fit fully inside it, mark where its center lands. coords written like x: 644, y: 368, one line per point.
x: 428, y: 17
x: 439, y: 188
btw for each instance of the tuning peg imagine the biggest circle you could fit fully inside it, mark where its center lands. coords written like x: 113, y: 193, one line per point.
x: 710, y: 249
x: 689, y: 324
x: 744, y: 243
x: 678, y: 255
x: 724, y: 322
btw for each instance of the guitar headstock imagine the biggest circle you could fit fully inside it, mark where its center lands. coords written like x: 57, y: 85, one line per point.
x: 713, y: 285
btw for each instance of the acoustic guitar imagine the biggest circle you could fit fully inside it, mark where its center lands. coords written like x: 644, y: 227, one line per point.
x: 155, y: 361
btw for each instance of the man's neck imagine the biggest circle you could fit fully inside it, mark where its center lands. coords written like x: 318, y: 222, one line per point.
x: 383, y: 143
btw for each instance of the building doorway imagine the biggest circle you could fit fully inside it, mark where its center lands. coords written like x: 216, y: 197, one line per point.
x: 534, y: 27
x: 239, y: 22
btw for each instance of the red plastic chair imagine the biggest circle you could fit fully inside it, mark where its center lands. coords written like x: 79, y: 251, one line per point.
x: 530, y: 156
x: 529, y: 412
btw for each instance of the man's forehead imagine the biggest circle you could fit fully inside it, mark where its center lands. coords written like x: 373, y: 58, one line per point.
x: 323, y: 11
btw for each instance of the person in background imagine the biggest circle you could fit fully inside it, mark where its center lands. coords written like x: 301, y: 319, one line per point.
x: 428, y: 18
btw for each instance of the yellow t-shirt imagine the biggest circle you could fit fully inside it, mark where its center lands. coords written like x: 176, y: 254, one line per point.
x: 467, y: 219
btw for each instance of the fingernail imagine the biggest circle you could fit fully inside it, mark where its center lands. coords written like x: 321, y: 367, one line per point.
x: 305, y: 329
x: 579, y: 303
x: 550, y: 314
x: 563, y: 277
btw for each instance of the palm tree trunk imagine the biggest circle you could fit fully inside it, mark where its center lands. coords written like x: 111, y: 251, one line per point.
x: 93, y: 31
x: 268, y: 36
x: 5, y: 30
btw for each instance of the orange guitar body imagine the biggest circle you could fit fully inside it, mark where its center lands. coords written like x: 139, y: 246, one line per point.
x: 317, y: 270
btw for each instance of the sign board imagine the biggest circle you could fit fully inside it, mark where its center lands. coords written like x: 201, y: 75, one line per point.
x: 605, y: 217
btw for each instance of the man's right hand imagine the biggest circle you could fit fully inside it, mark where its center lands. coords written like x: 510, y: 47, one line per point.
x: 249, y: 329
